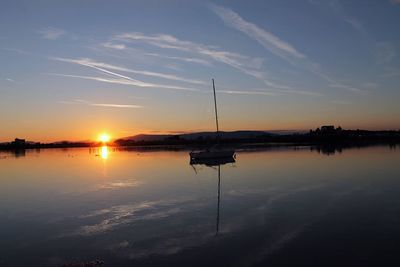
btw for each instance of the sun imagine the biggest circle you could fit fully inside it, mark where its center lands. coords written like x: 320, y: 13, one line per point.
x: 104, y: 138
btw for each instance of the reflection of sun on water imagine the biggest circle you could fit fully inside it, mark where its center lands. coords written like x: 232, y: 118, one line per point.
x: 104, y: 152
x: 104, y: 138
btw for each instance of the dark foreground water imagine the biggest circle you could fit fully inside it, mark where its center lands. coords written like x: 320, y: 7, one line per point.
x: 281, y: 207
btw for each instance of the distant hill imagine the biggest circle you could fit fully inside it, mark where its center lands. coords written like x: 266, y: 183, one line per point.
x: 147, y: 137
x: 194, y: 136
x: 325, y: 135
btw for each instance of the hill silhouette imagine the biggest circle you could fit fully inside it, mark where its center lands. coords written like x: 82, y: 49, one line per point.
x: 326, y: 136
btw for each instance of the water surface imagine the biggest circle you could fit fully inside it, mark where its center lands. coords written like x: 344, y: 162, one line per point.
x: 277, y: 207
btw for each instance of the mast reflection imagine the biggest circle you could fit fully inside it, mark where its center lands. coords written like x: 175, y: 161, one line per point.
x: 214, y: 163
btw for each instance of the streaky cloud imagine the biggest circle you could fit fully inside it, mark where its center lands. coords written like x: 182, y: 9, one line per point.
x: 268, y: 40
x: 300, y: 92
x: 186, y: 59
x: 356, y: 24
x: 104, y: 66
x: 275, y: 45
x: 384, y: 52
x: 391, y: 72
x: 115, y: 105
x: 269, y: 92
x: 234, y: 92
x: 166, y: 41
x: 131, y: 82
x: 51, y: 33
x: 114, y: 46
x: 265, y: 38
x: 110, y: 105
x: 119, y: 46
x: 16, y: 50
x: 247, y: 65
x: 348, y: 88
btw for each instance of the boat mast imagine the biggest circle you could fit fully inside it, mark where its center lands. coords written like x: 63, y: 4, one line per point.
x: 216, y: 112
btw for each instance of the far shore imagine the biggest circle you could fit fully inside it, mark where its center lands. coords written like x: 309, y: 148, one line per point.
x: 326, y: 136
x: 323, y: 145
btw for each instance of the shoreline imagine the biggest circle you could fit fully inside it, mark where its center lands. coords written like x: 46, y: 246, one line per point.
x: 239, y: 146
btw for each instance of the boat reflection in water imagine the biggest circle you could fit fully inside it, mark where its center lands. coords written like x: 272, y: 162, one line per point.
x: 216, y: 164
x: 212, y: 162
x: 212, y: 154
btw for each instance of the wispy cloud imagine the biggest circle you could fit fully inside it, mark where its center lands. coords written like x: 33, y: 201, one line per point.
x: 391, y: 72
x: 186, y: 59
x: 51, y: 33
x: 234, y: 92
x: 10, y: 80
x: 395, y: 2
x: 270, y: 92
x: 144, y: 55
x: 356, y: 24
x: 270, y: 41
x: 115, y: 105
x: 370, y: 85
x: 19, y: 51
x: 84, y: 102
x: 300, y: 92
x: 114, y: 46
x: 336, y: 7
x: 248, y: 65
x: 348, y: 88
x: 201, y: 54
x: 384, y: 52
x: 104, y: 66
x: 235, y: 60
x: 275, y: 45
x: 125, y: 81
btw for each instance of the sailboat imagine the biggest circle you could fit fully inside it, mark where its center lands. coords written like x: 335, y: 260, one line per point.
x: 214, y: 152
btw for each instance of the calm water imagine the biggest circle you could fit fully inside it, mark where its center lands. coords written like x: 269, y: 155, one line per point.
x: 283, y: 207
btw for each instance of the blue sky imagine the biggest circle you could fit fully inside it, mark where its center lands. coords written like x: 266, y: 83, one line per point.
x: 72, y: 69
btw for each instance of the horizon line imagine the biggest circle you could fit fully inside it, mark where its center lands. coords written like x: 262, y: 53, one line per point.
x: 156, y: 132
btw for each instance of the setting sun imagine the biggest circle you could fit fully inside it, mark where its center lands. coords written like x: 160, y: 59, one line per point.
x: 104, y: 138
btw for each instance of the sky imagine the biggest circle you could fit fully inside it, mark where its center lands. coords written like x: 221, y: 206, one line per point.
x: 70, y: 70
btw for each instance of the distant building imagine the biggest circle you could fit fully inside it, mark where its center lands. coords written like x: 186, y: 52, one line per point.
x: 18, y: 142
x: 326, y: 129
